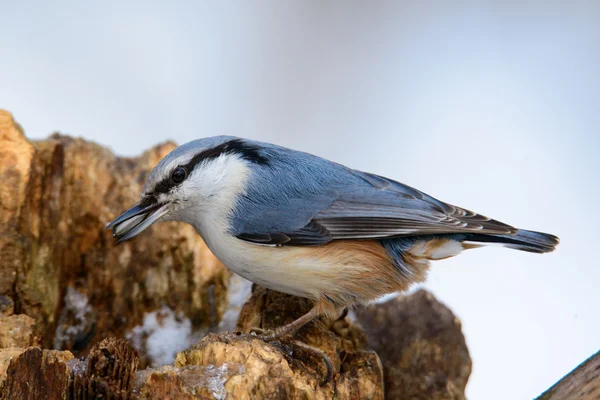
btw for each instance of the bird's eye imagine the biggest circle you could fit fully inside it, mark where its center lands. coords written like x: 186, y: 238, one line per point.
x: 179, y: 175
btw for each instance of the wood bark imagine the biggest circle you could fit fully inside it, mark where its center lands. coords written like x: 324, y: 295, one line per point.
x: 583, y: 383
x: 66, y: 285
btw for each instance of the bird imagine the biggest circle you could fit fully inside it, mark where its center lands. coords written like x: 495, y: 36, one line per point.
x: 299, y: 224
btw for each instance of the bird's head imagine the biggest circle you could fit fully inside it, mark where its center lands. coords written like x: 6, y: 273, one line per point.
x: 200, y: 177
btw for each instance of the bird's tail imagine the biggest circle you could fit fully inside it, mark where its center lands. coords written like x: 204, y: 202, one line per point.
x: 534, y: 242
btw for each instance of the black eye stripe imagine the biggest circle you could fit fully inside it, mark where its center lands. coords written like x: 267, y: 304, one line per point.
x: 235, y: 146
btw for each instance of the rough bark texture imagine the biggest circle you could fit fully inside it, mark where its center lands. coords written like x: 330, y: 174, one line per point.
x: 418, y: 339
x: 233, y: 366
x: 6, y: 356
x: 427, y: 361
x: 582, y: 383
x: 109, y: 372
x: 38, y: 374
x: 59, y: 266
x: 64, y: 284
x: 421, y: 347
x: 18, y: 331
x: 281, y: 369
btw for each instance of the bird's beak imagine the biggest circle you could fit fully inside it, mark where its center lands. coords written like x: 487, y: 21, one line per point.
x: 135, y: 220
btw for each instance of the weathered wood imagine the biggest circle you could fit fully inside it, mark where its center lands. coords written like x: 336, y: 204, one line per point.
x: 583, y: 383
x: 421, y: 346
x: 59, y: 266
x: 242, y: 366
x: 109, y: 372
x: 64, y: 284
x: 38, y: 374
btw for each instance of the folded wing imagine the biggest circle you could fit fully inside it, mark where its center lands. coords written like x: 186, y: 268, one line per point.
x: 376, y: 208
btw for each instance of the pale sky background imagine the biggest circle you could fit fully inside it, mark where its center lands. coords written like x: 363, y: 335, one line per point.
x: 493, y: 107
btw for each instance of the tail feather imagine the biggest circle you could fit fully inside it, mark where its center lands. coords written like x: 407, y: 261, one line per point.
x: 534, y: 242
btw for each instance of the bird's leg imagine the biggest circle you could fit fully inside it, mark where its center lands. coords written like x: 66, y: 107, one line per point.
x: 289, y: 329
x: 293, y: 327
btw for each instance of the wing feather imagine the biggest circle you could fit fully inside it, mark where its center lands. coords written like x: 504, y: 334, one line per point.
x: 314, y: 208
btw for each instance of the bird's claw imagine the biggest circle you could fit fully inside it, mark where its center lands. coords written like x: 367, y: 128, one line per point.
x: 321, y: 354
x: 257, y: 331
x: 269, y: 336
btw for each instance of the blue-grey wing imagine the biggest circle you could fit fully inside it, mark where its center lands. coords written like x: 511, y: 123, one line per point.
x: 313, y: 201
x: 391, y: 209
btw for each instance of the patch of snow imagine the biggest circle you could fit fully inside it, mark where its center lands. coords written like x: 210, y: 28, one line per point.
x: 211, y: 377
x: 238, y: 291
x: 78, y: 366
x: 162, y: 335
x: 76, y: 318
x: 216, y: 378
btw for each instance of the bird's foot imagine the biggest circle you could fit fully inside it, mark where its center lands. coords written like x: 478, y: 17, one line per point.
x: 271, y: 335
x: 283, y: 336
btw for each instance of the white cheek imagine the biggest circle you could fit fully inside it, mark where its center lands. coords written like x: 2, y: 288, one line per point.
x: 211, y: 191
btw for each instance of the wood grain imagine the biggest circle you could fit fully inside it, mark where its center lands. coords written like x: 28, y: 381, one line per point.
x: 581, y: 383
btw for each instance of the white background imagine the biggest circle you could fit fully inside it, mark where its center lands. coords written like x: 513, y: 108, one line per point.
x: 495, y: 108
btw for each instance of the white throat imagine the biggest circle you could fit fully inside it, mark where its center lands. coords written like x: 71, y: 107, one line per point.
x: 213, y: 188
